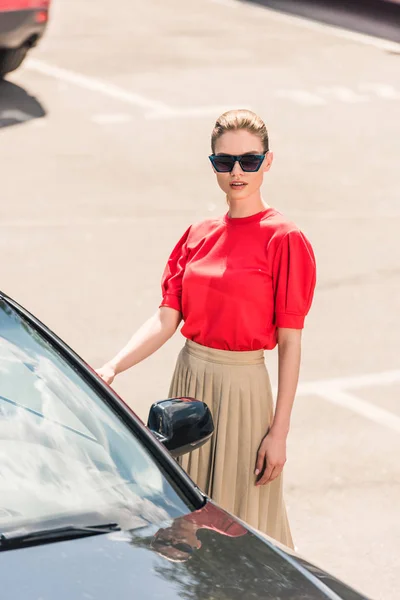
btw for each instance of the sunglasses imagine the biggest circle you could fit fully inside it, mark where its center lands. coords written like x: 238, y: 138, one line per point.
x: 224, y: 163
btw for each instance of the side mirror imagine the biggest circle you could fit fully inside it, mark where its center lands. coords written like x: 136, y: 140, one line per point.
x: 181, y: 424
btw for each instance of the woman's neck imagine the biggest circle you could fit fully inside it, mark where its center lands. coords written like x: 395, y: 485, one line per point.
x: 246, y: 207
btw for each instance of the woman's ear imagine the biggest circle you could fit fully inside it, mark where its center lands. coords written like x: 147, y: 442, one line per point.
x: 269, y: 157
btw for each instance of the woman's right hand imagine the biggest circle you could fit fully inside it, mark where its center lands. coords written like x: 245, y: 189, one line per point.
x: 149, y: 338
x: 107, y: 373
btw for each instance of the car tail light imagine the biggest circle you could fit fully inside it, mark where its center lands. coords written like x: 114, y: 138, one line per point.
x: 41, y: 16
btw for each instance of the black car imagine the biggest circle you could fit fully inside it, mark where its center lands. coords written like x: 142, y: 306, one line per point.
x: 22, y: 24
x: 94, y: 505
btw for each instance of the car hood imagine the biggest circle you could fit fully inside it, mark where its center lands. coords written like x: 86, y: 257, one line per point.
x: 206, y: 555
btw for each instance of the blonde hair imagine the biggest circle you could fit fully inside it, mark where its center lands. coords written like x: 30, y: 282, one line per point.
x: 233, y: 120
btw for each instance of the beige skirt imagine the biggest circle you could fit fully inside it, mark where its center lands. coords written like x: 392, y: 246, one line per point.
x: 237, y: 389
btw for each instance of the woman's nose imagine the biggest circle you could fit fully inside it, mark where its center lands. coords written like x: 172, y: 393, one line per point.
x: 236, y: 169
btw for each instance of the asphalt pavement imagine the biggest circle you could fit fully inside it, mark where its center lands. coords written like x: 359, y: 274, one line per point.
x: 104, y: 144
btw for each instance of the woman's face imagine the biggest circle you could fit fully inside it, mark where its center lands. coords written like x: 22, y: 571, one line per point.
x: 178, y: 542
x: 239, y: 184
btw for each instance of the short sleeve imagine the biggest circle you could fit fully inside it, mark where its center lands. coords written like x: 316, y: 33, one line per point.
x: 294, y: 277
x: 171, y: 282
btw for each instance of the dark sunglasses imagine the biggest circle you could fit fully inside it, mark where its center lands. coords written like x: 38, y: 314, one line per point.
x: 159, y: 544
x: 224, y: 163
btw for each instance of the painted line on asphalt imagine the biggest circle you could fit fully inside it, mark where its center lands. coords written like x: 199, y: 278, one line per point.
x: 343, y: 94
x: 306, y: 23
x: 97, y: 85
x: 154, y: 108
x: 382, y: 90
x: 361, y: 407
x: 352, y: 36
x: 337, y: 392
x: 350, y: 383
x: 303, y: 97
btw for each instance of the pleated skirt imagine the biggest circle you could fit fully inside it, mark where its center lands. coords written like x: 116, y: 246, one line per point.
x: 237, y: 389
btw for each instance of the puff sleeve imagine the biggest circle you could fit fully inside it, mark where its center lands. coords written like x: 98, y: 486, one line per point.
x: 294, y: 278
x: 171, y: 282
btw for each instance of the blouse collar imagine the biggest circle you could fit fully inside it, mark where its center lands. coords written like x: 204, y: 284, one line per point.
x: 257, y: 217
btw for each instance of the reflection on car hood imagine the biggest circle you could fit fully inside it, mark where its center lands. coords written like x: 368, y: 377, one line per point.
x: 203, y: 555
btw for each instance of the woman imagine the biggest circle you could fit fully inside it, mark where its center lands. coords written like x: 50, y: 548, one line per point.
x: 179, y: 541
x: 242, y: 284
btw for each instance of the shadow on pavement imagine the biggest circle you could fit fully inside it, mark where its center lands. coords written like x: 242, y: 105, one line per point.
x: 17, y: 106
x: 372, y: 17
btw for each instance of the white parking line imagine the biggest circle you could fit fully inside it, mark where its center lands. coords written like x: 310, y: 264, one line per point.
x: 337, y: 392
x: 363, y: 408
x: 301, y: 97
x: 382, y: 90
x: 154, y: 109
x: 352, y: 36
x: 343, y: 94
x: 97, y: 85
x: 306, y: 23
x: 350, y: 383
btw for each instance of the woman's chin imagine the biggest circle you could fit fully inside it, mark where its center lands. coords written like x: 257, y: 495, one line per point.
x: 237, y: 195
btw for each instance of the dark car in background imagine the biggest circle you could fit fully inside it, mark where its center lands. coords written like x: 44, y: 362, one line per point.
x: 22, y: 24
x: 94, y: 505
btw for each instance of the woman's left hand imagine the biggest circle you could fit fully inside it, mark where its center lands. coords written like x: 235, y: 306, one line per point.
x: 271, y: 457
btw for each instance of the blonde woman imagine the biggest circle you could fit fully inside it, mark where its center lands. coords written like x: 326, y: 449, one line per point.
x: 242, y: 283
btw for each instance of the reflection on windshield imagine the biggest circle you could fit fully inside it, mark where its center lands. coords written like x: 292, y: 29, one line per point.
x: 62, y: 450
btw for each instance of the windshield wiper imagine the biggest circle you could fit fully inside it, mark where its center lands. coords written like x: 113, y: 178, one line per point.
x: 17, y: 539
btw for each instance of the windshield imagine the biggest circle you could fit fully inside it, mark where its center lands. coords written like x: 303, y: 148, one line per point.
x: 64, y: 453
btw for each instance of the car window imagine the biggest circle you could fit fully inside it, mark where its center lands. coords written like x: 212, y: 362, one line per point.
x: 63, y: 451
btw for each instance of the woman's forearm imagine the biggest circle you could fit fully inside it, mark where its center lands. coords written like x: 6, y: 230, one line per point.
x: 147, y: 340
x: 289, y: 354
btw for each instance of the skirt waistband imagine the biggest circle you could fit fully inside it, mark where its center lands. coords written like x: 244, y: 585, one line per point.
x: 224, y: 357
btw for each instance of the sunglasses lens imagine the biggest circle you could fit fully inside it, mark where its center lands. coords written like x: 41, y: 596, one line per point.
x: 250, y: 163
x: 182, y: 547
x: 223, y: 164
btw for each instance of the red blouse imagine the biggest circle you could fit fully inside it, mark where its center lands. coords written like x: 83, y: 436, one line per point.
x: 212, y: 517
x: 236, y: 281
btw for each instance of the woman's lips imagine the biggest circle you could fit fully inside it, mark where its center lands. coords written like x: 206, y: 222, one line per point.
x: 237, y: 185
